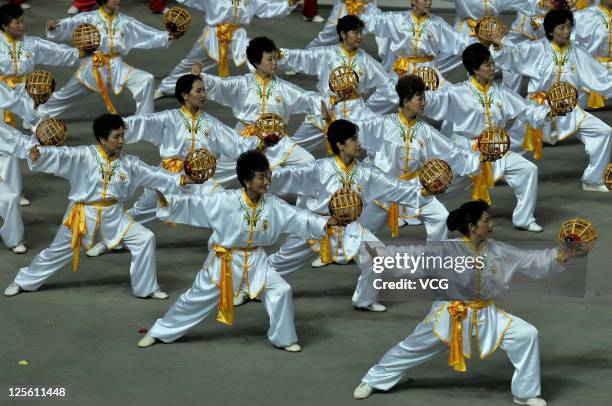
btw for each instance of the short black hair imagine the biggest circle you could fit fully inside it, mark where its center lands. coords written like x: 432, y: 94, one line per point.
x: 184, y: 84
x: 256, y: 48
x: 556, y: 17
x: 339, y: 131
x: 250, y: 162
x: 349, y: 23
x: 103, y: 125
x: 408, y: 86
x: 468, y: 213
x: 473, y: 56
x: 8, y: 13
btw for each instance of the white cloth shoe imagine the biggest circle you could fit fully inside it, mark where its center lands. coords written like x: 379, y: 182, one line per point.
x: 159, y: 294
x: 295, y: 347
x: 12, y: 289
x: 595, y: 188
x: 158, y: 95
x: 291, y: 73
x: 530, y: 402
x: 73, y: 10
x: 363, y: 391
x: 97, y: 250
x: 318, y: 263
x: 23, y: 201
x: 241, y: 299
x: 19, y: 249
x: 317, y: 19
x: 374, y: 307
x: 25, y: 6
x: 26, y: 125
x: 532, y: 228
x: 146, y: 341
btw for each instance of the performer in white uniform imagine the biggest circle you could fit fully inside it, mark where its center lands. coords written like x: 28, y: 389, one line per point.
x: 479, y: 103
x: 593, y: 32
x: 224, y: 36
x: 399, y: 144
x: 254, y: 94
x: 468, y: 310
x: 315, y: 183
x: 177, y: 133
x: 105, y: 69
x: 243, y: 223
x: 417, y: 39
x: 101, y: 179
x: 321, y: 61
x: 553, y: 59
x: 20, y: 53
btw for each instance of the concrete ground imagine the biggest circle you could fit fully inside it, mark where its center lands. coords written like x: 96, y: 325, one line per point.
x: 80, y: 330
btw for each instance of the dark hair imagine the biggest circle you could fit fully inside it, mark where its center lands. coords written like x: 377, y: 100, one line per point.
x: 101, y: 2
x: 250, y: 162
x: 8, y: 13
x: 407, y: 86
x: 468, y: 213
x: 473, y: 56
x: 184, y: 84
x: 556, y: 17
x: 348, y: 23
x: 103, y: 125
x: 339, y: 131
x: 256, y: 48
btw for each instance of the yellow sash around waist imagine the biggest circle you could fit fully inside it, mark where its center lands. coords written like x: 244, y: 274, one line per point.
x: 76, y: 222
x: 402, y: 64
x: 225, y: 33
x: 458, y: 311
x: 225, y: 313
x: 12, y: 82
x: 100, y: 59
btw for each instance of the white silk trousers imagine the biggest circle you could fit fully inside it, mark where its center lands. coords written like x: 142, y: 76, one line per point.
x: 202, y: 299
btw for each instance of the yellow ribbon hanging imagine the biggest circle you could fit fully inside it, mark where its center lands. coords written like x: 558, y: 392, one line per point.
x: 325, y: 251
x: 597, y: 101
x: 226, y: 287
x: 535, y: 136
x: 483, y: 182
x: 402, y: 64
x: 225, y: 32
x: 78, y: 227
x: 173, y: 165
x: 12, y: 82
x: 354, y: 7
x: 458, y: 312
x: 393, y: 220
x: 249, y: 130
x: 472, y: 24
x: 332, y: 118
x: 99, y: 60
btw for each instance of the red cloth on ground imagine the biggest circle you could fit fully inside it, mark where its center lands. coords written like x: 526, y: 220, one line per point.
x: 157, y: 6
x: 309, y: 9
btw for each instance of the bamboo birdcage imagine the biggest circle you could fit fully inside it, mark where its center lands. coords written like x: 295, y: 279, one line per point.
x: 436, y: 176
x: 429, y: 76
x: 270, y: 127
x: 200, y: 164
x: 608, y: 177
x: 562, y: 97
x: 343, y: 80
x: 177, y: 20
x: 488, y: 26
x: 578, y: 234
x: 86, y: 38
x: 493, y: 143
x: 40, y: 85
x: 345, y: 205
x: 51, y: 132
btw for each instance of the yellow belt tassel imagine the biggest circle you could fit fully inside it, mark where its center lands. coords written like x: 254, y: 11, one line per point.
x: 78, y: 227
x: 325, y: 251
x: 483, y: 182
x: 173, y: 165
x: 226, y: 288
x: 98, y: 61
x: 393, y: 221
x: 458, y: 312
x: 533, y: 141
x: 225, y: 33
x: 596, y: 101
x: 12, y: 82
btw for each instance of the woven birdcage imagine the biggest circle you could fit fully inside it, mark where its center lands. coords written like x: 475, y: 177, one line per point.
x: 429, y: 76
x: 40, y: 85
x: 177, y: 20
x: 270, y: 127
x: 200, y: 165
x: 608, y: 177
x: 343, y: 80
x: 562, y: 97
x: 493, y: 143
x: 488, y: 26
x: 436, y: 176
x: 345, y: 205
x: 578, y: 234
x: 86, y: 38
x: 51, y: 132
